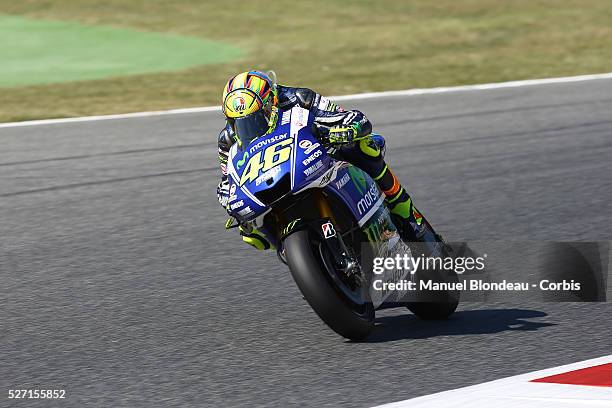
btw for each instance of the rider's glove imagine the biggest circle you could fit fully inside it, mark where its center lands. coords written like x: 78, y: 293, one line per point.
x: 223, y: 192
x: 342, y: 134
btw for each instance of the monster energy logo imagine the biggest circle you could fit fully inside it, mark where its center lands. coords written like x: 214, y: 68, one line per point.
x: 357, y: 178
x: 374, y: 231
x: 290, y: 226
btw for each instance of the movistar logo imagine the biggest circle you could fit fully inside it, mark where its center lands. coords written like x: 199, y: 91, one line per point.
x: 266, y: 142
x: 368, y: 199
x: 241, y: 162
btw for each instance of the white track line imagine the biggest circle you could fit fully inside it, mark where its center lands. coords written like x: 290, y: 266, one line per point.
x: 109, y: 117
x: 519, y: 392
x: 369, y: 95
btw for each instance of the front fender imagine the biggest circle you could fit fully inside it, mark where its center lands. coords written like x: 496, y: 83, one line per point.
x: 322, y: 230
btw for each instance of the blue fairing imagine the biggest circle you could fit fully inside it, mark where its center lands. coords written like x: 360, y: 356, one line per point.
x: 289, y: 160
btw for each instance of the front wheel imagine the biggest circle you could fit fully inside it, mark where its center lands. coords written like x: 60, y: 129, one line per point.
x: 322, y: 289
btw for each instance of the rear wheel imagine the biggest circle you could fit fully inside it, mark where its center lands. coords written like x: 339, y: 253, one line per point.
x: 433, y: 310
x: 340, y: 305
x: 436, y: 304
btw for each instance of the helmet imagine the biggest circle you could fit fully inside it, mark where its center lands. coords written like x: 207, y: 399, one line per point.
x: 250, y: 105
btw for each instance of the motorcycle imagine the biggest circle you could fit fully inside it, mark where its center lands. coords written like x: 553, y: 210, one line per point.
x: 328, y: 221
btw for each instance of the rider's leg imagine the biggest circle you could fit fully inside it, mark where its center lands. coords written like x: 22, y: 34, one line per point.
x: 368, y: 155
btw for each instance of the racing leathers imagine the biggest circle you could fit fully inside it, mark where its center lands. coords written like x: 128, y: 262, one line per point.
x: 348, y: 133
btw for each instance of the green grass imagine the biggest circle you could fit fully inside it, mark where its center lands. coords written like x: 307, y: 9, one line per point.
x: 333, y: 47
x: 43, y: 52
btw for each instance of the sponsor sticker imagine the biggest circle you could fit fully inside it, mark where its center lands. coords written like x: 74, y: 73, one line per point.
x: 327, y: 177
x: 324, y: 103
x: 328, y: 230
x: 241, y: 162
x: 245, y: 211
x: 267, y: 175
x: 312, y: 158
x: 310, y: 170
x: 237, y: 204
x: 286, y: 118
x: 232, y: 193
x: 308, y: 146
x: 266, y: 142
x: 305, y: 143
x: 290, y: 226
x: 369, y: 198
x: 342, y: 182
x: 300, y: 118
x: 239, y: 104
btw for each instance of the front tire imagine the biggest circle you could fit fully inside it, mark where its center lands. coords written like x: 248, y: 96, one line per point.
x: 350, y: 320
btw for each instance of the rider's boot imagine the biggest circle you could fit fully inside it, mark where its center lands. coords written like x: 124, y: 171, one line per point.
x: 412, y: 226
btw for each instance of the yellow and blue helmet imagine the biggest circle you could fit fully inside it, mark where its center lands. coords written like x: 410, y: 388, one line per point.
x: 250, y: 104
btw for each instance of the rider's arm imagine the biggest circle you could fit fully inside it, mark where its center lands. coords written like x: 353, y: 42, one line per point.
x: 328, y: 114
x: 344, y: 119
x: 225, y: 142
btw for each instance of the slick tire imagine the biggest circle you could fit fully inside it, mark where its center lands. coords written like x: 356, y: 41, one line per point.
x: 438, y: 305
x: 354, y: 322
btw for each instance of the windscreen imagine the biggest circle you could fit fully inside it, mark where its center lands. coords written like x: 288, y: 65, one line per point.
x: 251, y: 126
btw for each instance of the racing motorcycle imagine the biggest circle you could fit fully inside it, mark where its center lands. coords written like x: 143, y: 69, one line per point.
x: 328, y: 221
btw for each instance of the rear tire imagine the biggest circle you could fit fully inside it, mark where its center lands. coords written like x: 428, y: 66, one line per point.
x: 437, y: 305
x: 433, y: 310
x: 355, y: 322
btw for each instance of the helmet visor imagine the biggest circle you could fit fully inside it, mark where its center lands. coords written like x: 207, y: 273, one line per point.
x: 250, y: 127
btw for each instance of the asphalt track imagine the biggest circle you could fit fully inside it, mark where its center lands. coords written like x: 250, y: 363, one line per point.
x: 120, y: 285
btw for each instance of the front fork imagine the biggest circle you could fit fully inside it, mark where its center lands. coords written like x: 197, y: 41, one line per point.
x: 326, y: 229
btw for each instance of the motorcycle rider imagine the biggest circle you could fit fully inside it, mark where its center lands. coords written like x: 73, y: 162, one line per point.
x: 251, y: 104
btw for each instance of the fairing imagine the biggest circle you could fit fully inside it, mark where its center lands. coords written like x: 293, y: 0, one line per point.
x: 290, y: 160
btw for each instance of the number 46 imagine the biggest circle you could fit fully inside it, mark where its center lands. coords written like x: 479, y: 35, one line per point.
x: 273, y: 156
